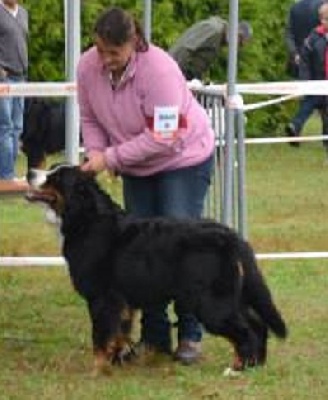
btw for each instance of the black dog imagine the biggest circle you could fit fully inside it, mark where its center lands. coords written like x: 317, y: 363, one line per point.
x: 44, y: 129
x: 119, y: 263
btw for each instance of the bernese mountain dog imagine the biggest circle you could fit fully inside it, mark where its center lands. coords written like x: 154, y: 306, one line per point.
x: 119, y: 263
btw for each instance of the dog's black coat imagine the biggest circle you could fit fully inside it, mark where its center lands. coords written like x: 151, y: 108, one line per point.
x: 44, y: 129
x: 117, y: 261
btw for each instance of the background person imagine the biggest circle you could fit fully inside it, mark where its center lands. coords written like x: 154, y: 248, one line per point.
x: 303, y: 17
x: 126, y: 88
x: 314, y: 66
x: 13, y: 69
x: 198, y: 47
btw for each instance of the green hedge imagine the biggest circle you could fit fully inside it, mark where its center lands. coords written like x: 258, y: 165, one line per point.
x: 264, y: 59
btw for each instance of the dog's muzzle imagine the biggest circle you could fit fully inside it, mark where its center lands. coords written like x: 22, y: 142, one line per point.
x: 36, y: 177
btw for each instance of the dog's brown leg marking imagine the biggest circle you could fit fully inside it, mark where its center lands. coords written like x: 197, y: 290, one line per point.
x: 124, y: 347
x: 101, y: 365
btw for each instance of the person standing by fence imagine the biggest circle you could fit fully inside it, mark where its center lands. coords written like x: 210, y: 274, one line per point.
x: 302, y: 18
x: 314, y: 65
x: 13, y: 69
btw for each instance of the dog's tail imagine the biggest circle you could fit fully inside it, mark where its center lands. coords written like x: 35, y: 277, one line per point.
x: 257, y: 294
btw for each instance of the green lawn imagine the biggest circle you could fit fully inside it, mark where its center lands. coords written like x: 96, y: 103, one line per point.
x: 45, y: 347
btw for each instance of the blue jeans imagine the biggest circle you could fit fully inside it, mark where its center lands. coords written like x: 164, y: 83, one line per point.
x: 308, y: 105
x: 11, y: 127
x: 179, y: 193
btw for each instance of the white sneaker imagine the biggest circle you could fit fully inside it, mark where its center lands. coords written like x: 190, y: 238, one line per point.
x: 19, y: 180
x: 13, y: 185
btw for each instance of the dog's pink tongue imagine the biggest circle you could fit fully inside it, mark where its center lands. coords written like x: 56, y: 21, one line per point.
x: 35, y: 195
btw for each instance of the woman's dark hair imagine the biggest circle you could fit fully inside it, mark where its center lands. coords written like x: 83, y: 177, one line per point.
x: 117, y: 27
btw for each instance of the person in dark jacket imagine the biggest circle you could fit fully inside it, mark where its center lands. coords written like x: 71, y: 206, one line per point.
x: 314, y: 64
x: 303, y: 17
x: 198, y: 47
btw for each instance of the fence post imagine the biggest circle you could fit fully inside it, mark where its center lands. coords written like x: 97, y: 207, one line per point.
x: 230, y: 127
x: 72, y: 128
x: 241, y: 174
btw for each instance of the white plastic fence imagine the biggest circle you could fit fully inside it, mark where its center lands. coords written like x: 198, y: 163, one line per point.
x: 286, y: 91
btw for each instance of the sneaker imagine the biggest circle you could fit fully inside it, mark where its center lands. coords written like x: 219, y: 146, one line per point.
x: 188, y: 352
x: 291, y: 132
x: 21, y: 179
x: 13, y: 185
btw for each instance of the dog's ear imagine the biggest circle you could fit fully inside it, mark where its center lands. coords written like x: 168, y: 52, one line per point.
x: 79, y: 200
x: 80, y: 190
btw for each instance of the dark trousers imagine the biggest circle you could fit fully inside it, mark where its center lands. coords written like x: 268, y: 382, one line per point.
x: 179, y: 193
x: 307, y: 106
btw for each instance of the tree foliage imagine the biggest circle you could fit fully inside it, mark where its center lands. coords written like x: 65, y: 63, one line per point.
x: 264, y: 59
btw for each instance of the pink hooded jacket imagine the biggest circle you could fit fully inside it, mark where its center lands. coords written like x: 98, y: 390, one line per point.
x: 120, y: 121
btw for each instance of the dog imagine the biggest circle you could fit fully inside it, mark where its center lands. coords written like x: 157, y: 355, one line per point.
x: 44, y: 130
x: 119, y: 263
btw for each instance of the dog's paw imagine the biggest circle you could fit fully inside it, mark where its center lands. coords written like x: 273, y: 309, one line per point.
x: 241, y: 364
x: 101, y: 366
x: 124, y: 354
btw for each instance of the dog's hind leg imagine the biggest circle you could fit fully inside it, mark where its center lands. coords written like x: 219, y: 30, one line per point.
x: 244, y: 341
x: 220, y: 317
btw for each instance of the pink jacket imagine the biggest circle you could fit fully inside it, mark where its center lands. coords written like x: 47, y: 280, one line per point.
x: 118, y: 120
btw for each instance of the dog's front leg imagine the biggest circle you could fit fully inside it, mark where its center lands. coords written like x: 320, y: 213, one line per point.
x: 125, y: 347
x: 105, y: 313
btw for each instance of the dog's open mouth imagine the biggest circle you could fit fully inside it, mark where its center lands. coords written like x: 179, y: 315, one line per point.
x: 43, y: 196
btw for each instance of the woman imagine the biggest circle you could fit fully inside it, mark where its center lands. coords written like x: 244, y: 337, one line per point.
x: 140, y: 120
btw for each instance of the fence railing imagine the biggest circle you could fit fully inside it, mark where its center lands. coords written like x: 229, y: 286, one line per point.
x: 212, y: 97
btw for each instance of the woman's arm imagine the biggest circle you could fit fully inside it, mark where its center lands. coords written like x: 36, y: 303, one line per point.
x: 165, y: 88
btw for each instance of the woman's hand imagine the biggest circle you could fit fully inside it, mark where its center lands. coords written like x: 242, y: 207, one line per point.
x: 96, y: 162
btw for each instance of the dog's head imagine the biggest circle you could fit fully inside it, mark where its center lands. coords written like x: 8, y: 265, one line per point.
x: 73, y: 195
x: 63, y: 189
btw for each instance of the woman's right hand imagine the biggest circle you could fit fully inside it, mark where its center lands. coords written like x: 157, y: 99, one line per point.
x: 96, y: 162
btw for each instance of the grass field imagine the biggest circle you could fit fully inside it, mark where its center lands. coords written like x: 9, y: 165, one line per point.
x: 46, y: 352
x: 45, y: 347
